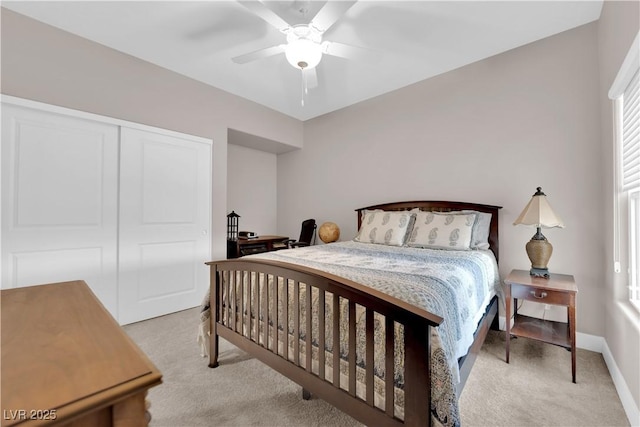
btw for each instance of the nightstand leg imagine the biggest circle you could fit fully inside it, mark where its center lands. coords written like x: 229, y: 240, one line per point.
x: 507, y: 316
x: 571, y: 310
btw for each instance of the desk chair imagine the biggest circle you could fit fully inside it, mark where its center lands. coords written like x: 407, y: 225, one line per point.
x: 307, y: 235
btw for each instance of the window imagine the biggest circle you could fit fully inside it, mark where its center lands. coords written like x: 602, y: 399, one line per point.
x: 626, y: 93
x: 629, y: 178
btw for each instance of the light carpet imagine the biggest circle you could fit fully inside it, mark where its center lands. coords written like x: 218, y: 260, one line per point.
x: 535, y: 389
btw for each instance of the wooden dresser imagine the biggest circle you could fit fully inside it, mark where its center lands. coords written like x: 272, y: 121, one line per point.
x: 66, y: 361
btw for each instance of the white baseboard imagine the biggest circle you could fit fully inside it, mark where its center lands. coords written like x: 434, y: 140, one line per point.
x: 501, y: 323
x: 629, y: 405
x: 599, y: 345
x: 589, y: 342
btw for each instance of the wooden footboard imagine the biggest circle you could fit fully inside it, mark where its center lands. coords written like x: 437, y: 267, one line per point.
x: 251, y: 324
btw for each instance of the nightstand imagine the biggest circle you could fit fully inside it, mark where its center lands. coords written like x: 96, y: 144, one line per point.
x: 558, y: 289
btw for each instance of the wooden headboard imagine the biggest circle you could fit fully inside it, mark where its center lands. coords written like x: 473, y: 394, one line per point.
x: 444, y: 206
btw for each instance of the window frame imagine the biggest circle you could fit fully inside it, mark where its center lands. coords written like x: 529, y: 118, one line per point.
x: 626, y: 201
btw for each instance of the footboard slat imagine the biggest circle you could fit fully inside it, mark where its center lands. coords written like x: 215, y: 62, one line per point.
x: 336, y: 340
x: 285, y: 320
x: 221, y: 295
x: 256, y: 306
x: 321, y: 333
x: 352, y: 348
x: 249, y: 302
x: 274, y: 314
x: 389, y: 374
x: 308, y: 364
x: 234, y: 301
x: 265, y: 314
x: 369, y: 355
x: 296, y: 323
x: 227, y: 297
x: 240, y: 289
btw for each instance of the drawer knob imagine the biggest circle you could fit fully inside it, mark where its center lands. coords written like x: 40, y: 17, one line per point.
x: 542, y: 294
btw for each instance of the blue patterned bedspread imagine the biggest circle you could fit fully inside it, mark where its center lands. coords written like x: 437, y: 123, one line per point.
x: 456, y: 285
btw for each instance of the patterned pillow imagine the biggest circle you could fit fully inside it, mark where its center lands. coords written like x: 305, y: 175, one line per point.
x: 385, y: 228
x: 481, y: 228
x: 442, y: 230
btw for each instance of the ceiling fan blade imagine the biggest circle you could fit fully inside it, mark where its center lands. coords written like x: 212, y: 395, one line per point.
x: 259, y: 54
x: 311, y: 77
x: 330, y: 13
x: 347, y: 51
x: 262, y: 11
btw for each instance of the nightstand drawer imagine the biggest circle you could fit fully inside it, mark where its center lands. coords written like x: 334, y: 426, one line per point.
x: 544, y: 296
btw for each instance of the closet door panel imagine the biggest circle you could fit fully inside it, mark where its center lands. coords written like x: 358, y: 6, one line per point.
x: 165, y: 203
x: 59, y: 201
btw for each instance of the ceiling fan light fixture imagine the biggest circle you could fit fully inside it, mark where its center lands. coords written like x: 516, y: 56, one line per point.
x: 303, y: 53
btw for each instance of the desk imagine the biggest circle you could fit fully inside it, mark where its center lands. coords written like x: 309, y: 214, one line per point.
x: 65, y: 360
x: 242, y: 247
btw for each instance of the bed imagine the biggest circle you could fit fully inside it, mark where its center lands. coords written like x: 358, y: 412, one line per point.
x: 394, y: 306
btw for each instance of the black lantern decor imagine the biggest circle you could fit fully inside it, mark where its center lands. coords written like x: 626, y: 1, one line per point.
x: 232, y: 226
x: 232, y: 235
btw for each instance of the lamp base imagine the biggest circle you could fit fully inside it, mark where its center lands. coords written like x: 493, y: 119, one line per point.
x: 539, y: 272
x: 539, y: 251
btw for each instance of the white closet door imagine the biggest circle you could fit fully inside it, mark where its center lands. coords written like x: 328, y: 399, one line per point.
x: 165, y: 187
x: 59, y: 201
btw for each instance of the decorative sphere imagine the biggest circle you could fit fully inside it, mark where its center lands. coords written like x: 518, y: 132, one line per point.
x: 329, y: 232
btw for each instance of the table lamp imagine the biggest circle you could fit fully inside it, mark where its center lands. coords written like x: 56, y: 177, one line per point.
x: 538, y: 213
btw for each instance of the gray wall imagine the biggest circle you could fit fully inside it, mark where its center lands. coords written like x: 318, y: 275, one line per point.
x: 490, y: 132
x: 618, y: 25
x: 252, y: 188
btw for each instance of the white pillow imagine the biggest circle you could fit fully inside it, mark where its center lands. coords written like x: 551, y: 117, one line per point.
x: 442, y: 230
x: 385, y: 227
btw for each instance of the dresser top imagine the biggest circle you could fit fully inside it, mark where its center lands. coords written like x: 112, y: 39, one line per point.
x: 60, y: 347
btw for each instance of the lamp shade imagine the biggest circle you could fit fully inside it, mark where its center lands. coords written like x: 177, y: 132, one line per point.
x: 303, y: 53
x: 538, y: 213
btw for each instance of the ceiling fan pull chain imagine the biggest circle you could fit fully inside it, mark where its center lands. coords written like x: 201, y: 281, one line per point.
x: 304, y: 86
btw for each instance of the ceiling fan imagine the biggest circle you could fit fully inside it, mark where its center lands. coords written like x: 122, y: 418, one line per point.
x: 304, y: 47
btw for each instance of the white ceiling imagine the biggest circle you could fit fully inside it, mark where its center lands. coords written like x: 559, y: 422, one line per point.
x: 406, y: 41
